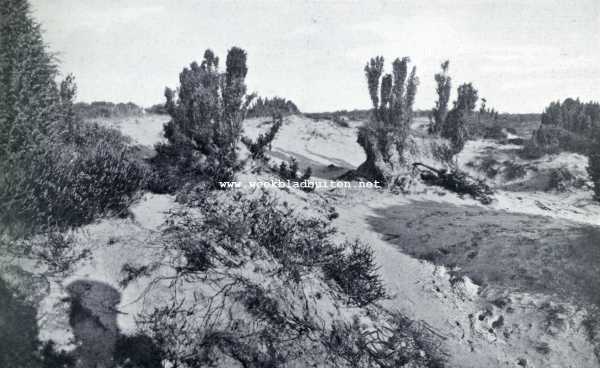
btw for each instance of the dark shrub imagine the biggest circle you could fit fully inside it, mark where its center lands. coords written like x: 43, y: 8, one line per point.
x: 290, y: 171
x: 340, y: 121
x: 561, y: 179
x: 70, y: 184
x: 513, y: 170
x: 495, y: 132
x: 356, y: 274
x: 456, y: 181
x: 400, y: 343
x: 489, y: 165
x: 442, y: 152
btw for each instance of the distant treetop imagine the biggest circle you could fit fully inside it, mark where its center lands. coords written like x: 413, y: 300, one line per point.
x: 272, y: 106
x: 103, y: 109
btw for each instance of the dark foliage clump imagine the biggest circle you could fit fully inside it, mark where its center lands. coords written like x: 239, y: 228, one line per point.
x: 71, y: 184
x: 513, y: 170
x: 290, y: 171
x: 495, y: 132
x: 443, y: 153
x: 356, y: 274
x: 561, y: 180
x: 263, y: 142
x: 489, y: 165
x: 456, y: 181
x: 551, y: 139
x: 206, y: 123
x: 269, y: 107
x: 340, y: 121
x: 400, y: 343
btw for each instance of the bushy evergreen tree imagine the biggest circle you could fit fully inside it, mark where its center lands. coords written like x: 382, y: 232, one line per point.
x: 206, y: 119
x: 383, y: 138
x: 454, y: 127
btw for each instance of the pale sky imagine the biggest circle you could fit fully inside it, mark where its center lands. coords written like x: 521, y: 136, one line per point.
x: 520, y: 54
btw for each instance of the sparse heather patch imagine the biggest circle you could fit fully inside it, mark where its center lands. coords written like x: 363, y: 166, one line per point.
x: 260, y: 296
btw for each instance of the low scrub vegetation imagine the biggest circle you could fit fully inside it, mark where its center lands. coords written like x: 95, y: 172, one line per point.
x: 456, y: 181
x: 356, y: 274
x: 356, y: 115
x: 562, y: 179
x: 514, y: 170
x: 257, y: 269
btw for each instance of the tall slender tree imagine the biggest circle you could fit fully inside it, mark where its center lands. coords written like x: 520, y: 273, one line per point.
x: 443, y: 90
